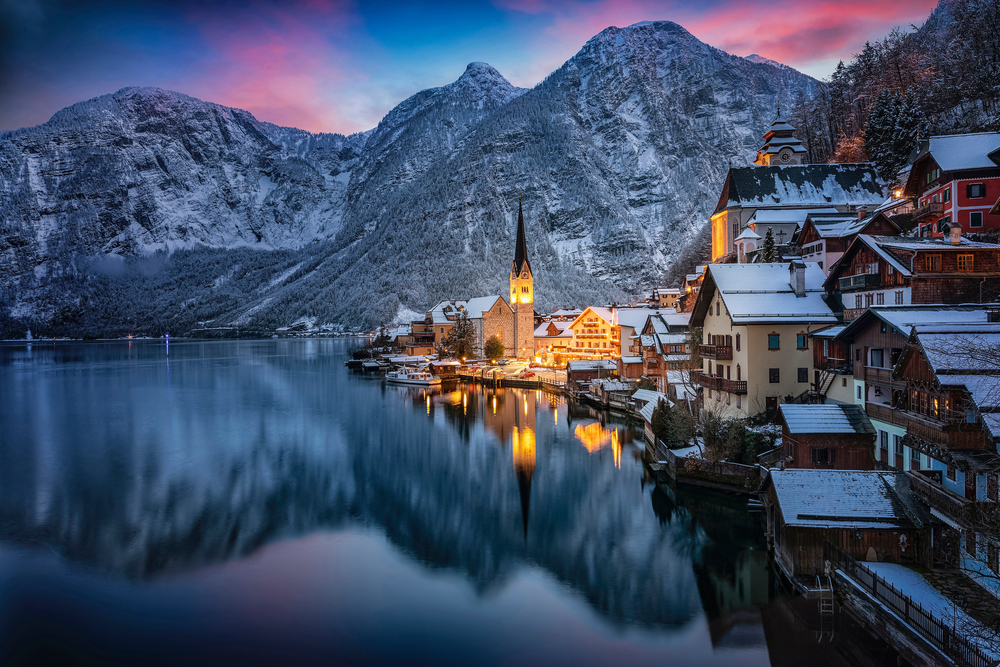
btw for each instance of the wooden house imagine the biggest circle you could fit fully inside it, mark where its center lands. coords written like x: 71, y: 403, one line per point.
x: 870, y: 515
x: 825, y: 236
x: 834, y: 436
x: 895, y: 270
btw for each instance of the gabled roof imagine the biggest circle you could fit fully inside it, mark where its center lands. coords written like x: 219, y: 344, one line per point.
x: 749, y: 234
x: 801, y: 186
x: 825, y: 418
x: 784, y: 216
x: 964, y: 151
x: 848, y: 499
x: 476, y: 307
x: 762, y: 293
x: 591, y: 365
x: 839, y: 225
x: 904, y: 318
x: 606, y: 314
x: 542, y: 330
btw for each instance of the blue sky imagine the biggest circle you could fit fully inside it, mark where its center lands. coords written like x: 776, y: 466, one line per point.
x: 339, y: 66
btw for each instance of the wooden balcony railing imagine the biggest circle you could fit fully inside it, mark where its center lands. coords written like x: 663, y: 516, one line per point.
x: 723, y: 352
x: 881, y: 376
x: 735, y: 386
x: 852, y: 313
x: 934, y: 208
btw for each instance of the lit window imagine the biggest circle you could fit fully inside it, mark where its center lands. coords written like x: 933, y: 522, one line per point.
x: 965, y: 262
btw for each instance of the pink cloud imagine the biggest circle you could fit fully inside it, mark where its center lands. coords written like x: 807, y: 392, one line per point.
x: 281, y: 64
x: 790, y: 31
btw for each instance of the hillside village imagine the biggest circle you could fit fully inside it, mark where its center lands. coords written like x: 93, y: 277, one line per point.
x: 839, y: 354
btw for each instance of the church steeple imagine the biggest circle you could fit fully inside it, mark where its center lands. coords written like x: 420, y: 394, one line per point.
x: 780, y: 145
x: 521, y: 247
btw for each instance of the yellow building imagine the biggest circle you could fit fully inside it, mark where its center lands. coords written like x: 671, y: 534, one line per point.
x: 756, y: 320
x: 595, y: 335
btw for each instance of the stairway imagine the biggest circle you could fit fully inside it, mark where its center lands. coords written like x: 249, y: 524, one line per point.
x: 825, y: 382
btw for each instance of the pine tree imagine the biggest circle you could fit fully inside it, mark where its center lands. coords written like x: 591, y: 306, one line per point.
x: 767, y: 249
x: 494, y: 348
x: 462, y: 339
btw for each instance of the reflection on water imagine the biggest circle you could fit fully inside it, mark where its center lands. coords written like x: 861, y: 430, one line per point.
x: 208, y: 482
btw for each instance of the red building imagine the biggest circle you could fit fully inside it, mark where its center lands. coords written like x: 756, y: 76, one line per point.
x: 956, y: 179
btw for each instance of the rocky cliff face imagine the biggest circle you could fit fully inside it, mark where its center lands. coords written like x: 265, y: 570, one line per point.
x: 618, y: 156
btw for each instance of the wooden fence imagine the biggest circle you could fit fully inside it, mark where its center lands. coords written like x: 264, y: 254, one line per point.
x: 928, y: 625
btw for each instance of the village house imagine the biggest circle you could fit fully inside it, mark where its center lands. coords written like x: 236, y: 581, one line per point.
x: 780, y: 191
x: 665, y: 297
x: 825, y: 237
x: 835, y: 436
x: 553, y: 340
x: 662, y: 346
x: 583, y: 371
x: 833, y: 370
x: 956, y: 179
x: 595, y: 334
x: 870, y: 515
x: 690, y: 289
x: 897, y: 270
x: 756, y: 320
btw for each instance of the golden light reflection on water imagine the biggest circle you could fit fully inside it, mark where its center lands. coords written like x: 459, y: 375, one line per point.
x: 523, y: 449
x: 595, y: 438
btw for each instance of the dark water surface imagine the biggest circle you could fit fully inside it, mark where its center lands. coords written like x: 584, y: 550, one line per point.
x: 254, y: 502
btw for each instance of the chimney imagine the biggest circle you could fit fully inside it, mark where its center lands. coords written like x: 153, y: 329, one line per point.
x: 955, y: 230
x: 862, y: 212
x: 993, y: 313
x: 797, y: 277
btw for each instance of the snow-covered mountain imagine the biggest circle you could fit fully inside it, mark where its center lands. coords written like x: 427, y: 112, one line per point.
x: 618, y: 156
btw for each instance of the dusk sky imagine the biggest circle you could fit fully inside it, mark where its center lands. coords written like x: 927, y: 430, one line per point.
x: 324, y: 65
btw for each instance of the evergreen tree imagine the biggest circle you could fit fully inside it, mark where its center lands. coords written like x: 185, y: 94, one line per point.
x: 894, y: 124
x: 768, y: 253
x: 646, y: 383
x: 461, y: 342
x: 494, y: 348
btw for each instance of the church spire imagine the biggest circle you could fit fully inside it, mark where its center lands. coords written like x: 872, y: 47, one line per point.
x: 521, y: 248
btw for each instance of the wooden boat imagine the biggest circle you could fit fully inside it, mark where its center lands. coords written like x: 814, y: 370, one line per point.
x: 412, y: 376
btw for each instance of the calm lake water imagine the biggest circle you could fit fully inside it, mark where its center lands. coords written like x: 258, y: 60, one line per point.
x: 254, y: 502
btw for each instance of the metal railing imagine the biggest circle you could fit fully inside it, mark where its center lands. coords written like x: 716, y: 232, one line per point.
x: 926, y: 623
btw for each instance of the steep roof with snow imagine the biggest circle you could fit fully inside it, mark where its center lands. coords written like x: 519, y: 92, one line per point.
x: 848, y: 499
x: 476, y: 307
x: 825, y: 418
x: 964, y: 151
x: 904, y: 318
x: 800, y: 186
x: 762, y: 293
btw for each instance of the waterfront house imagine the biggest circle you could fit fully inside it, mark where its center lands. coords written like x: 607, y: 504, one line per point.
x: 956, y: 179
x: 835, y: 436
x: 897, y: 270
x: 553, y: 340
x: 585, y: 370
x: 756, y: 320
x: 595, y: 334
x: 870, y: 515
x: 662, y: 345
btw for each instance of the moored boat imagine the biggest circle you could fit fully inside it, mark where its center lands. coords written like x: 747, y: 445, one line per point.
x: 412, y: 376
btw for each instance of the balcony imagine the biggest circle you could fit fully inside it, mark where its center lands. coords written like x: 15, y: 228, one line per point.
x: 859, y: 280
x: 884, y: 413
x: 881, y: 376
x: 852, y: 313
x: 934, y: 208
x: 723, y: 352
x: 735, y: 386
x: 707, y: 381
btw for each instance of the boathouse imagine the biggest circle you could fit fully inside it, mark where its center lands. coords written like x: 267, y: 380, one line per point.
x: 870, y: 515
x: 830, y: 435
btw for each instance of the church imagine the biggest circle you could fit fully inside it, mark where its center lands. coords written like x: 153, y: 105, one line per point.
x: 781, y: 190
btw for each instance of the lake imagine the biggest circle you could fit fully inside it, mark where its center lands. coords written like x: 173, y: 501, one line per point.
x: 255, y: 502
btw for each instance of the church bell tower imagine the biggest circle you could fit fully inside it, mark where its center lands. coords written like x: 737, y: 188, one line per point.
x: 522, y: 298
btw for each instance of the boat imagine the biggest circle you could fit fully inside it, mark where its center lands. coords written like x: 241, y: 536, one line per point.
x: 412, y: 376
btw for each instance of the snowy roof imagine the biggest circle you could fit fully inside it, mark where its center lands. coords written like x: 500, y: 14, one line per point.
x: 757, y: 293
x: 476, y: 307
x: 677, y: 377
x: 829, y: 332
x: 613, y: 385
x: 992, y: 421
x: 631, y: 360
x: 825, y: 418
x: 955, y: 349
x: 648, y: 395
x: 904, y: 318
x: 846, y: 499
x: 778, y: 216
x: 563, y: 312
x: 667, y: 290
x: 748, y: 233
x: 446, y: 311
x: 801, y: 186
x: 964, y: 151
x: 591, y: 365
x: 635, y: 317
x: 542, y: 330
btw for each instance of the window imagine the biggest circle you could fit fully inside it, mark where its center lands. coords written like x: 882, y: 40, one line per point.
x: 932, y: 263
x: 727, y: 372
x: 943, y: 223
x: 946, y: 195
x: 774, y: 375
x: 773, y: 341
x: 976, y: 219
x: 869, y: 299
x: 859, y: 390
x: 737, y: 342
x: 843, y: 382
x: 914, y: 458
x: 965, y: 262
x: 857, y: 300
x: 880, y: 299
x: 950, y: 472
x: 824, y: 457
x: 934, y: 199
x: 897, y: 444
x: 738, y: 373
x: 803, y: 375
x: 932, y: 175
x: 801, y: 342
x: 899, y: 298
x: 727, y: 398
x: 442, y: 329
x: 717, y: 307
x: 739, y: 402
x: 883, y: 441
x: 975, y: 190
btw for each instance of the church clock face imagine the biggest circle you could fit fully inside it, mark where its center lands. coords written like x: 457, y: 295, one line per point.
x: 785, y: 157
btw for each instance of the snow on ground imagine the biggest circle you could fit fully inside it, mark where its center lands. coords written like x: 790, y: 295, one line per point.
x: 917, y: 588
